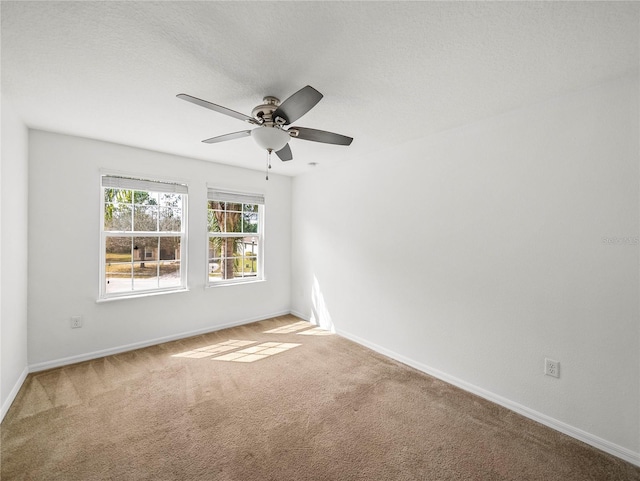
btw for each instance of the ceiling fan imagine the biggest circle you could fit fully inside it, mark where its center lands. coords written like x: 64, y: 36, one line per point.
x: 272, y: 120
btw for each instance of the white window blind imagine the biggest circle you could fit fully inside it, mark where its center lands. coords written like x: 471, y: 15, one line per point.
x: 114, y: 182
x: 237, y: 197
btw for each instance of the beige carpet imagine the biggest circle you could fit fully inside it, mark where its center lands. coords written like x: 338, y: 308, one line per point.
x: 245, y: 404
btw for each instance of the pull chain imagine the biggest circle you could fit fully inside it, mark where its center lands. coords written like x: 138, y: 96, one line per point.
x: 268, y: 164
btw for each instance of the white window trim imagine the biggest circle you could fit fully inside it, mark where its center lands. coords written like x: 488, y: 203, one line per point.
x: 129, y: 182
x: 214, y: 193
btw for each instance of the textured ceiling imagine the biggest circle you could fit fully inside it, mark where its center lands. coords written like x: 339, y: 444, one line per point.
x: 389, y: 71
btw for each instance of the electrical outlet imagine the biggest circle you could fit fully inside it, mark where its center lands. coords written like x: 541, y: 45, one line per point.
x: 76, y: 321
x: 551, y: 367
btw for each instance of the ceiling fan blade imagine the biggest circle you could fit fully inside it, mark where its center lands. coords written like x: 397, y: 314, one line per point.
x: 232, y: 136
x: 297, y: 105
x: 285, y: 153
x: 320, y: 136
x: 217, y: 108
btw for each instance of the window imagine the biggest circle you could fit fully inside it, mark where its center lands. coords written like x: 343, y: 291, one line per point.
x: 143, y: 237
x: 235, y: 237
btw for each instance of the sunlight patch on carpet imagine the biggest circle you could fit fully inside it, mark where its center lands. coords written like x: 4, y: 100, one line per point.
x: 256, y: 353
x: 296, y: 326
x: 214, y: 349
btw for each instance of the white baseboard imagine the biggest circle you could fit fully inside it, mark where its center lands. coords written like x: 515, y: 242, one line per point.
x: 65, y: 361
x: 14, y: 392
x: 588, y: 438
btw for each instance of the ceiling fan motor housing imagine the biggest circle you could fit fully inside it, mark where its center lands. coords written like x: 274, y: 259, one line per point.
x: 264, y: 112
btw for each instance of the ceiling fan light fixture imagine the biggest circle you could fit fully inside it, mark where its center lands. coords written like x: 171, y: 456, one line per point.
x: 270, y: 138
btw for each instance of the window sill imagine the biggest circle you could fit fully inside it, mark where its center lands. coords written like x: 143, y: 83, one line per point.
x: 140, y: 295
x: 233, y: 283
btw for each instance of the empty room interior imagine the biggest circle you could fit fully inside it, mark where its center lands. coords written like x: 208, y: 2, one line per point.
x: 320, y: 240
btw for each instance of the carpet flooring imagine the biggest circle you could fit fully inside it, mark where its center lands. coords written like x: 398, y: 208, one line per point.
x: 275, y: 400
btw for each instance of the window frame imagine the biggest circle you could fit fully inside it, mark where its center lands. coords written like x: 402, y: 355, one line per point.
x: 244, y: 198
x: 144, y: 184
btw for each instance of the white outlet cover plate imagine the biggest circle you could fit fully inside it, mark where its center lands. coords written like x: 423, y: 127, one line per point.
x: 551, y: 367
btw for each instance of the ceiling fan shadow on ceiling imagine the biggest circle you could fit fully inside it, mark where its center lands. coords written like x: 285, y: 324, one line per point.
x: 273, y: 123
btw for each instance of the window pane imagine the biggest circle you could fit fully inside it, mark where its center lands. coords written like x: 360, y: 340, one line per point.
x: 212, y: 220
x: 117, y: 217
x: 216, y: 216
x: 250, y: 218
x: 110, y: 195
x: 170, y: 219
x: 118, y: 264
x: 250, y: 245
x: 145, y: 198
x: 145, y: 218
x: 215, y: 261
x: 215, y: 247
x: 170, y: 248
x: 117, y: 195
x: 250, y: 266
x: 237, y: 266
x: 215, y: 272
x: 145, y: 263
x: 170, y: 200
x: 228, y: 250
x: 233, y: 221
x: 169, y: 262
x: 247, y: 254
x: 225, y: 216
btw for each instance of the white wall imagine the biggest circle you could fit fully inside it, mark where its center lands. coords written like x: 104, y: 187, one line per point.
x: 64, y: 223
x: 476, y: 253
x: 13, y: 256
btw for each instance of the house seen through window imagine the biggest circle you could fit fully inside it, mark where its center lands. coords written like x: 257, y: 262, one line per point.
x: 143, y: 236
x: 235, y: 237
